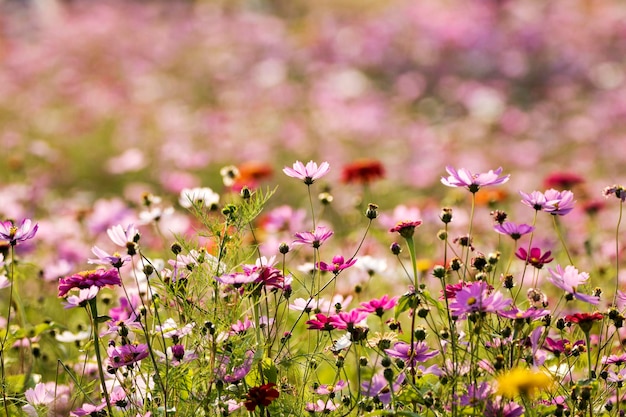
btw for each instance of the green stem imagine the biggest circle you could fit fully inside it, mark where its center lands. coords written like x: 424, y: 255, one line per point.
x: 96, y: 340
x: 619, y: 221
x: 558, y: 232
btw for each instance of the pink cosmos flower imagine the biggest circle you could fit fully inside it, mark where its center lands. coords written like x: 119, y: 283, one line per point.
x: 535, y: 257
x: 88, y: 410
x: 315, y: 239
x: 473, y: 182
x: 559, y: 202
x: 476, y: 297
x: 380, y: 305
x: 308, y: 173
x: 348, y: 320
x: 126, y: 238
x: 569, y: 279
x: 324, y: 322
x: 514, y: 230
x: 83, y: 297
x: 86, y: 279
x: 338, y: 264
x: 14, y: 234
x: 406, y: 228
x: 535, y: 200
x: 116, y: 260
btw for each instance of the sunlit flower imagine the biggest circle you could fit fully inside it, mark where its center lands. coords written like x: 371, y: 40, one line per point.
x: 86, y: 279
x: 379, y: 388
x: 199, y: 196
x: 116, y: 260
x: 584, y: 320
x: 498, y: 408
x: 308, y: 173
x: 125, y: 238
x: 465, y: 178
x: 535, y: 200
x: 522, y: 381
x: 380, y: 305
x: 17, y: 234
x: 315, y: 239
x: 569, y: 279
x: 617, y: 190
x: 321, y: 407
x: 406, y: 228
x: 475, y: 297
x: 88, y: 409
x: 83, y: 297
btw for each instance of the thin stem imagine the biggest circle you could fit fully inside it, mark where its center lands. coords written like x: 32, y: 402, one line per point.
x: 96, y: 340
x: 619, y: 221
x: 558, y: 232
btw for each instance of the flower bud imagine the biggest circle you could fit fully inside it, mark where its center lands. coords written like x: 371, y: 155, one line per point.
x: 372, y: 211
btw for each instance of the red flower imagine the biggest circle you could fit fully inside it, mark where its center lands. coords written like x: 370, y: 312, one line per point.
x: 563, y: 180
x: 406, y: 228
x: 261, y: 396
x: 362, y: 171
x: 584, y: 320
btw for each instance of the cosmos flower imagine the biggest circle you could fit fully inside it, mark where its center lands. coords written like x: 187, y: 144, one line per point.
x: 315, y: 239
x: 380, y: 305
x: 475, y: 297
x: 321, y: 407
x: 125, y: 238
x: 126, y: 355
x: 199, y: 196
x: 116, y: 260
x: 363, y: 171
x: 465, y: 178
x: 535, y: 257
x: 308, y: 173
x: 337, y: 265
x: 569, y: 279
x: 261, y: 396
x: 558, y: 202
x: 88, y: 409
x: 86, y: 279
x: 535, y: 200
x: 83, y: 297
x: 411, y: 356
x: 514, y: 230
x: 17, y: 234
x: 406, y: 228
x: 522, y: 381
x: 584, y: 320
x: 617, y: 190
x: 379, y: 388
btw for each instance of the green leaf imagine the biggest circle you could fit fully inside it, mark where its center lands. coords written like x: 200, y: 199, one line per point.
x: 102, y: 319
x: 269, y: 370
x: 404, y: 303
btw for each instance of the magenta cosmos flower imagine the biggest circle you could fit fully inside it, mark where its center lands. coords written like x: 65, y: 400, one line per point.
x: 86, y: 279
x: 465, y: 178
x: 126, y: 355
x: 514, y: 230
x: 338, y: 264
x: 307, y: 173
x: 559, y: 202
x: 535, y: 257
x: 380, y: 305
x: 569, y: 279
x: 406, y: 228
x: 315, y: 239
x: 14, y: 234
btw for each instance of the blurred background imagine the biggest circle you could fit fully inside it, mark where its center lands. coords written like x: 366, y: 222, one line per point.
x: 105, y: 98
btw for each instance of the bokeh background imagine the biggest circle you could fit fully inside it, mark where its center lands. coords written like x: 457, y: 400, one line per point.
x: 106, y: 98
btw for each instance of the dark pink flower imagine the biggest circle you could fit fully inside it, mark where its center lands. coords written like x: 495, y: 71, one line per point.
x: 406, y: 228
x: 465, y: 178
x: 324, y: 322
x: 86, y: 279
x: 476, y: 297
x: 535, y: 257
x: 308, y: 173
x: 14, y: 234
x: 337, y: 265
x: 411, y: 356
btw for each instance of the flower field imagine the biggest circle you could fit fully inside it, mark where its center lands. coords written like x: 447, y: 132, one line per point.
x: 291, y: 208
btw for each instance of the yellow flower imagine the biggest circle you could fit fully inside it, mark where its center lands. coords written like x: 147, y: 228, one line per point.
x: 522, y: 381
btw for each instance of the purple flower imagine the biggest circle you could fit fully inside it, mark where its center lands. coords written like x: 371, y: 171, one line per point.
x: 126, y: 355
x: 465, y: 178
x: 535, y: 257
x: 476, y: 395
x: 559, y: 202
x: 379, y: 387
x: 419, y: 353
x: 315, y: 239
x: 569, y: 279
x: 499, y: 409
x: 514, y: 230
x: 618, y: 360
x: 535, y: 200
x: 338, y: 264
x: 86, y: 279
x: 15, y: 235
x: 475, y: 297
x: 308, y: 173
x: 321, y: 407
x: 237, y: 372
x: 618, y: 190
x: 532, y: 313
